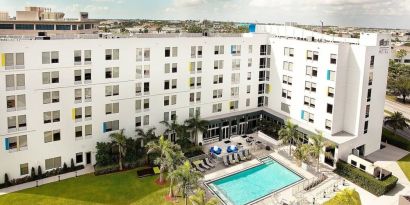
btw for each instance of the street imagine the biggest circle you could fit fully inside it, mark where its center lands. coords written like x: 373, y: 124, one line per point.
x: 392, y: 106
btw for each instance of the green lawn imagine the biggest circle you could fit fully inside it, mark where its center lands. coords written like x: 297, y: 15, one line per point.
x: 118, y: 188
x: 404, y: 164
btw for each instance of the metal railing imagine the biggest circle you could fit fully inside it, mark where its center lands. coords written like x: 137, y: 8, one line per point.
x: 308, y: 184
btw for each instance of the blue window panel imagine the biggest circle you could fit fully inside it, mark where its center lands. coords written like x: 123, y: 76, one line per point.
x: 232, y: 49
x: 252, y: 28
x: 328, y: 75
x: 6, y: 144
x: 104, y: 127
x: 302, y: 114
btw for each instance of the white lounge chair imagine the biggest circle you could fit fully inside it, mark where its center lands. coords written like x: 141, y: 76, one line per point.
x: 243, y: 158
x: 236, y: 157
x: 225, y: 159
x: 199, y: 168
x: 209, y: 163
x: 231, y: 160
x: 202, y: 164
x: 247, y: 154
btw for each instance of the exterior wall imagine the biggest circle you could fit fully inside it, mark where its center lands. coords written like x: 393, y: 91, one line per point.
x: 34, y: 32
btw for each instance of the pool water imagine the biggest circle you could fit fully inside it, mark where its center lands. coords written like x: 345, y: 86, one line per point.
x: 254, y: 183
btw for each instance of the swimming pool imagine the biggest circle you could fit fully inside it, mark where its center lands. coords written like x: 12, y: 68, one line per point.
x: 252, y: 184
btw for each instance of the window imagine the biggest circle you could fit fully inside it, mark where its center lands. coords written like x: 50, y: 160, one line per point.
x: 367, y: 111
x: 146, y: 88
x: 167, y: 51
x: 248, y: 89
x: 235, y: 92
x: 138, y: 88
x: 235, y: 78
x: 78, y: 113
x: 307, y: 116
x: 330, y: 92
x: 263, y: 50
x: 138, y: 105
x: 366, y: 126
x: 249, y: 62
x: 287, y: 66
x: 17, y: 143
x: 236, y: 64
x: 370, y: 78
x: 77, y: 76
x: 192, y: 82
x: 112, y: 90
x: 87, y: 75
x: 138, y: 72
x: 139, y: 54
x: 78, y: 132
x: 111, y: 126
x: 79, y: 157
x: 113, y: 72
x: 233, y: 105
x: 51, y: 116
x: 284, y: 107
x: 218, y: 64
x: 87, y: 94
x: 369, y: 95
x: 88, y: 130
x: 24, y: 169
x: 50, y: 57
x: 248, y: 102
x: 371, y: 61
x: 218, y: 79
x: 146, y: 119
x: 362, y: 167
x: 14, y: 61
x: 217, y: 93
x: 328, y: 124
x: 16, y: 102
x: 308, y: 101
x: 289, y: 52
x: 52, y: 136
x: 171, y: 51
x: 15, y: 82
x: 174, y: 83
x: 16, y: 123
x: 287, y: 80
x: 216, y: 107
x: 196, y: 51
x: 87, y: 56
x: 354, y: 163
x: 112, y: 54
x: 250, y: 48
x: 309, y: 55
x: 147, y: 54
x: 311, y: 71
x: 51, y: 77
x: 77, y: 57
x: 146, y: 103
x: 138, y: 121
x: 329, y: 108
x: 236, y: 50
x: 249, y: 76
x: 174, y: 68
x: 78, y: 96
x: 219, y: 50
x: 310, y: 86
x: 265, y: 63
x: 146, y: 71
x: 198, y: 81
x: 333, y: 58
x: 315, y: 55
x: 112, y: 108
x: 331, y: 75
x: 166, y: 100
x: 53, y: 163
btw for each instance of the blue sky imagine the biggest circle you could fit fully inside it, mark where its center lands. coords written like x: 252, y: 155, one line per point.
x: 369, y: 13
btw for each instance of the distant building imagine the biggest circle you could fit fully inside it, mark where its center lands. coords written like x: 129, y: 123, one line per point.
x: 291, y: 23
x: 405, y: 59
x: 34, y: 20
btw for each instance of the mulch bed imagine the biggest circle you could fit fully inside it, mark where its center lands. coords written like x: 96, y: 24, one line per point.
x: 145, y: 172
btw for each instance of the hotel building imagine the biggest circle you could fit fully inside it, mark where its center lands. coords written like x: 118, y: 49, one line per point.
x: 59, y: 97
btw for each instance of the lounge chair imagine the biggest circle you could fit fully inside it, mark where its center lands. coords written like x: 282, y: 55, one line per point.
x: 247, y: 154
x: 202, y: 164
x: 208, y: 162
x: 243, y: 158
x: 236, y: 157
x: 199, y: 168
x: 230, y: 159
x: 225, y: 159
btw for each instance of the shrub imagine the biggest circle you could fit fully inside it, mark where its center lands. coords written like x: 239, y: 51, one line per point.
x: 100, y: 170
x: 104, y: 155
x: 39, y: 172
x: 395, y: 140
x: 6, y: 180
x: 72, y: 165
x: 365, y: 180
x: 193, y: 151
x: 33, y: 173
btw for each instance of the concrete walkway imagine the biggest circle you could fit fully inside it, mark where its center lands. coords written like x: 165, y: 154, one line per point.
x: 86, y: 170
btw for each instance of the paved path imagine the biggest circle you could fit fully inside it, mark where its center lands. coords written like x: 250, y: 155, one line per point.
x: 86, y: 170
x: 395, y: 106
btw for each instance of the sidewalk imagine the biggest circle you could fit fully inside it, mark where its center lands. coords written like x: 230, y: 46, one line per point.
x: 86, y: 170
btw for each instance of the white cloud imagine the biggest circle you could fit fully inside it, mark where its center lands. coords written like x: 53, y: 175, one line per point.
x: 188, y: 3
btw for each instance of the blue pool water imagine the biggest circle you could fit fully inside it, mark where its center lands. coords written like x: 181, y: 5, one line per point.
x: 251, y: 184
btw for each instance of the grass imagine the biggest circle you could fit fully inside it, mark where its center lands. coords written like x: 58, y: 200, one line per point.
x: 404, y: 164
x: 395, y: 140
x: 117, y: 188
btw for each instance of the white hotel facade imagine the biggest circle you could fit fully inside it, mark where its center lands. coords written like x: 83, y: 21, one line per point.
x: 60, y: 97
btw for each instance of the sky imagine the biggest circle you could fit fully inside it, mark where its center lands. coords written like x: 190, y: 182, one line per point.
x: 364, y: 13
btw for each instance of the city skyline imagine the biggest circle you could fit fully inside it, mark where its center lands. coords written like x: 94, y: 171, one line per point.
x: 381, y: 14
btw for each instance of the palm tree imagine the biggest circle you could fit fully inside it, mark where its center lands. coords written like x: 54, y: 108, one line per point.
x: 199, y: 198
x: 147, y: 135
x: 177, y: 158
x: 164, y: 148
x: 396, y: 121
x: 119, y: 140
x: 187, y: 178
x: 318, y: 145
x: 196, y: 124
x: 345, y: 196
x: 288, y: 134
x: 170, y: 127
x: 301, y: 153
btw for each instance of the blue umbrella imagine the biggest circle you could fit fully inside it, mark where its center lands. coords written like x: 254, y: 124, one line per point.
x: 232, y: 148
x: 216, y: 150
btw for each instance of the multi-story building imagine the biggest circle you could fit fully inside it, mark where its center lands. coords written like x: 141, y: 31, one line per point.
x: 61, y: 96
x: 33, y: 20
x: 405, y: 59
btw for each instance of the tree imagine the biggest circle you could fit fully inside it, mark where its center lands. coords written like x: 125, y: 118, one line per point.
x: 317, y: 147
x: 165, y: 149
x: 147, y: 135
x: 401, y: 53
x: 396, y: 121
x: 301, y: 153
x: 179, y: 130
x: 199, y: 198
x: 176, y: 159
x: 288, y: 134
x: 196, y: 124
x: 401, y: 86
x: 186, y: 178
x: 119, y: 140
x: 344, y: 197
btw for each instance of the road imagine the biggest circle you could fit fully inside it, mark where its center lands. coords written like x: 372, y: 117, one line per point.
x: 392, y: 106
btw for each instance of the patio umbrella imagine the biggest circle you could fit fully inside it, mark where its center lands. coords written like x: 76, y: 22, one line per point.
x: 216, y: 150
x: 232, y: 148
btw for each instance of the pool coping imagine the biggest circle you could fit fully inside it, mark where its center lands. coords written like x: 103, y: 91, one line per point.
x: 206, y: 183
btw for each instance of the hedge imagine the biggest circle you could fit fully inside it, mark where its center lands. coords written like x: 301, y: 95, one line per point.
x: 395, y: 140
x: 365, y: 180
x: 100, y: 170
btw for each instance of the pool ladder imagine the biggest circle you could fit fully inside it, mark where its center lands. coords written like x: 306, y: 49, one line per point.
x: 266, y: 160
